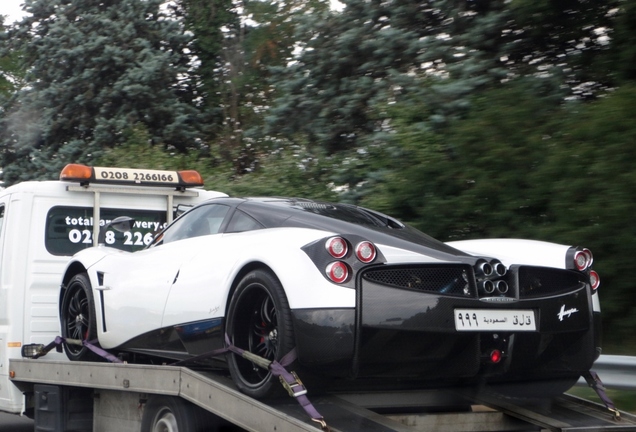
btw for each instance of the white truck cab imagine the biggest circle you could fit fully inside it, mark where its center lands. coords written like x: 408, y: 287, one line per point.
x: 43, y: 223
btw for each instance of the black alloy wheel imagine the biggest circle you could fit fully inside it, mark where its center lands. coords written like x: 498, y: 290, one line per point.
x: 77, y: 316
x: 259, y: 321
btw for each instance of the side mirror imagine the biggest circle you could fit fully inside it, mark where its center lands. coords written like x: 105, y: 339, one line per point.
x: 121, y: 224
x: 181, y: 209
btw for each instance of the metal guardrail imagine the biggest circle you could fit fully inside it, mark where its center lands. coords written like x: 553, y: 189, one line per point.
x: 616, y: 372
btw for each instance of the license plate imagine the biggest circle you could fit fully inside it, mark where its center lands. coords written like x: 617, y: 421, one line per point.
x: 495, y: 320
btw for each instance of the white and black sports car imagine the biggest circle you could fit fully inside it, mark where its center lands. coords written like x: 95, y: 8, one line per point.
x: 363, y: 298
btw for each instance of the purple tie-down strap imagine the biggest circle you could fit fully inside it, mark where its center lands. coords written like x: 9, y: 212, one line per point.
x: 295, y: 387
x: 100, y: 352
x: 203, y: 356
x: 298, y: 390
x: 594, y: 381
x: 59, y: 340
x: 289, y: 380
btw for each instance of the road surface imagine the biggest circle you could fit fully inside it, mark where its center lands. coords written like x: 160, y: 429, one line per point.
x: 14, y: 423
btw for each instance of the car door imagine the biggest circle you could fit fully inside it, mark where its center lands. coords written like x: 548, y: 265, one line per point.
x: 136, y: 286
x: 200, y: 293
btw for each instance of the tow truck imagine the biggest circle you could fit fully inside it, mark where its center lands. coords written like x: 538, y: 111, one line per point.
x: 43, y: 223
x: 102, y: 397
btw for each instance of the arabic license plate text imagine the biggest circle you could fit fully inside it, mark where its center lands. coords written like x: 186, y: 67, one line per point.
x: 495, y: 320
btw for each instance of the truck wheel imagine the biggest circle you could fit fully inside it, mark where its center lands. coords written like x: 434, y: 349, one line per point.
x: 171, y: 414
x: 259, y: 321
x: 77, y: 316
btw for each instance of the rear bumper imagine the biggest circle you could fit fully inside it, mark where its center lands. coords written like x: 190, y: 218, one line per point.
x: 408, y: 334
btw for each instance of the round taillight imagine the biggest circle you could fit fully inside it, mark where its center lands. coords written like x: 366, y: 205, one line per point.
x: 337, y: 247
x: 495, y: 356
x: 595, y: 280
x: 338, y: 271
x: 580, y: 260
x: 365, y: 251
x: 583, y: 259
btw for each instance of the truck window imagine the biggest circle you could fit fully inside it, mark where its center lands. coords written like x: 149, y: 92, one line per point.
x: 70, y: 229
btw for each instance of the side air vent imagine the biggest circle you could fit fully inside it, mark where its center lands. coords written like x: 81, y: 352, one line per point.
x: 544, y: 281
x: 455, y: 280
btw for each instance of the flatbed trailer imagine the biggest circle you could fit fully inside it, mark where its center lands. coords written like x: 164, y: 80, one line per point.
x: 105, y: 397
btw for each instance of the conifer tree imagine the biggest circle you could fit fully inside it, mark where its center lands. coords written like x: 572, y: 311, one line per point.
x: 96, y: 68
x: 236, y: 43
x: 436, y: 53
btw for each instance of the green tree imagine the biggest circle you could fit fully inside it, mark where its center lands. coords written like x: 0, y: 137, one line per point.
x: 477, y: 178
x: 11, y: 72
x: 591, y: 178
x: 235, y: 43
x: 348, y: 60
x: 212, y: 24
x: 622, y: 60
x: 95, y: 69
x: 568, y: 40
x: 518, y: 167
x: 11, y: 76
x: 374, y: 53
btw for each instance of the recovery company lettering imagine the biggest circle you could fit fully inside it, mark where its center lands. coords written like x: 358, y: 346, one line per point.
x: 88, y: 222
x: 70, y: 229
x: 139, y: 236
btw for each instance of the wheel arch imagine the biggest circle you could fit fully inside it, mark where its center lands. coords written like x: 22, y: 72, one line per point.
x: 251, y: 266
x: 73, y: 269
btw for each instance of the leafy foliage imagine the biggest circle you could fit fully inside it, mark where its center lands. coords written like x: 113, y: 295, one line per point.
x: 442, y: 52
x: 567, y: 39
x: 592, y: 178
x: 517, y: 167
x: 286, y: 172
x: 235, y: 44
x: 621, y: 62
x: 348, y: 60
x: 95, y: 69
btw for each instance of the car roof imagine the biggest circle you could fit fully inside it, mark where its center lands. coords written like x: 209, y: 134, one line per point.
x: 275, y: 212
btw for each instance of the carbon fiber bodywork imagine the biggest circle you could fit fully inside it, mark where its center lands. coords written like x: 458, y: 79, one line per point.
x: 403, y: 327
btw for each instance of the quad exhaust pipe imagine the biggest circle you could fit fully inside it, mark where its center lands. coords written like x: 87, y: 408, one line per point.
x: 489, y: 286
x: 487, y: 272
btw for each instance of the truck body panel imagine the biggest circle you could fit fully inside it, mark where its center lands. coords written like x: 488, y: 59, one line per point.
x: 38, y: 222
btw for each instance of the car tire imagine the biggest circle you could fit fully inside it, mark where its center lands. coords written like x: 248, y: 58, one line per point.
x: 259, y: 321
x: 172, y: 414
x: 77, y: 318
